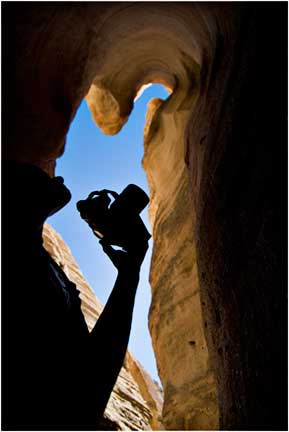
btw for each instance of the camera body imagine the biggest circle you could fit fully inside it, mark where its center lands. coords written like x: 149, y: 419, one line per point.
x: 119, y: 222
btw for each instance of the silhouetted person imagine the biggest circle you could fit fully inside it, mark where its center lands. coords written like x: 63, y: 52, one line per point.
x: 55, y: 374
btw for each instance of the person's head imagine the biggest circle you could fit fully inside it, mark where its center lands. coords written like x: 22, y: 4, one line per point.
x: 30, y: 194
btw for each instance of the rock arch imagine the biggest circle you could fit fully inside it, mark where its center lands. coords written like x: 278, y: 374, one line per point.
x: 212, y: 172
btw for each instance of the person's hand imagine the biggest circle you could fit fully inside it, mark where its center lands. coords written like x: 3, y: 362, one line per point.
x: 126, y: 261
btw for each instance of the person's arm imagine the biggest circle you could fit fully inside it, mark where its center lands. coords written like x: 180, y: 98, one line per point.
x: 111, y: 333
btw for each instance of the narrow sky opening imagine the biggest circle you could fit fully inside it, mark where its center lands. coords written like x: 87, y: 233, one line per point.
x: 93, y: 161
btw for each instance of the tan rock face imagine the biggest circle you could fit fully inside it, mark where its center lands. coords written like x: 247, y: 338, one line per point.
x: 190, y: 399
x: 136, y: 401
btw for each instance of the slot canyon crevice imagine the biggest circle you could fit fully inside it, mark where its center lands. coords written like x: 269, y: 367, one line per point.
x: 215, y: 154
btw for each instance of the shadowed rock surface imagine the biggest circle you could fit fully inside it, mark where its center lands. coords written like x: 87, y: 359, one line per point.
x: 215, y: 154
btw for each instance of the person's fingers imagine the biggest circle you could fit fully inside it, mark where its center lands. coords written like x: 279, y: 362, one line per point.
x: 114, y: 255
x: 134, y: 255
x: 107, y: 248
x: 138, y: 249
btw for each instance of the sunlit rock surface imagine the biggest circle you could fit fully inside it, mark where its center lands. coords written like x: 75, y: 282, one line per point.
x: 136, y: 401
x: 190, y: 399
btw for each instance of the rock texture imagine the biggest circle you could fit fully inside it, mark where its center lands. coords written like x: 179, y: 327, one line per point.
x: 136, y: 401
x: 190, y: 398
x: 214, y: 155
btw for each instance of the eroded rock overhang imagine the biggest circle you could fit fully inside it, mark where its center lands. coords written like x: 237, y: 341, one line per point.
x: 102, y: 51
x: 146, y: 44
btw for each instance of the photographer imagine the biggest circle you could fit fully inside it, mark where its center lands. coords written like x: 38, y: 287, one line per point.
x: 46, y: 384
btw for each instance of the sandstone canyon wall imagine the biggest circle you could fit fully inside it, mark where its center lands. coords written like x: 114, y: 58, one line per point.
x: 190, y: 398
x: 213, y: 156
x: 136, y: 401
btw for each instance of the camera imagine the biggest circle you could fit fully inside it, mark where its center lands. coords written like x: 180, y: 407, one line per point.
x: 119, y: 222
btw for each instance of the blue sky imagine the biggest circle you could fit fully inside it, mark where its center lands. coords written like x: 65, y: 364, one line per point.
x: 94, y: 161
